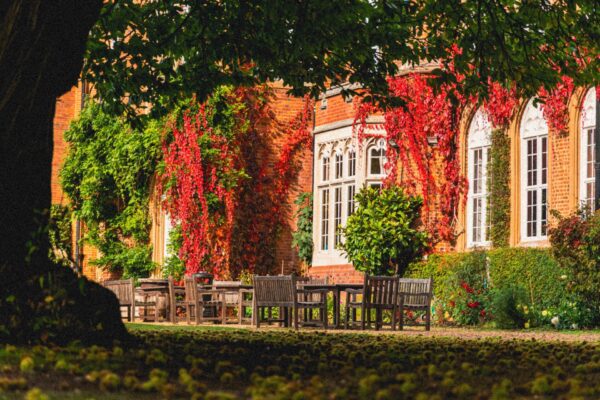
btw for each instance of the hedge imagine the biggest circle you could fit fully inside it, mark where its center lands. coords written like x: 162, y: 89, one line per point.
x: 533, y: 272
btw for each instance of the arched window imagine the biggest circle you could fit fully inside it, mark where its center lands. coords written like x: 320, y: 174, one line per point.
x: 339, y: 164
x: 587, y: 157
x: 534, y: 173
x: 376, y: 163
x: 325, y: 167
x: 351, y: 162
x: 478, y: 157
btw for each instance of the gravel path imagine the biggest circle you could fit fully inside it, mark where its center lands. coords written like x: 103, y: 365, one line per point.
x: 463, y: 333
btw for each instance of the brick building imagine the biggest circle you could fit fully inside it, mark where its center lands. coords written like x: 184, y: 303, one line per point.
x: 286, y: 259
x: 549, y: 171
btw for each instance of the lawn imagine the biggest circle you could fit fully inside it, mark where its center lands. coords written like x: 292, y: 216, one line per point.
x: 227, y: 363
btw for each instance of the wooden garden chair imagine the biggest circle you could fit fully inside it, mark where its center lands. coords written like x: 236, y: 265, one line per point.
x: 230, y: 292
x: 379, y: 294
x: 415, y: 295
x: 197, y: 300
x: 175, y: 301
x: 126, y: 294
x: 314, y: 295
x: 282, y: 292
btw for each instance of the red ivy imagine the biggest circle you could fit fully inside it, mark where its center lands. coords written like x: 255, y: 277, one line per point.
x: 435, y: 174
x: 219, y: 183
x: 555, y: 105
x: 501, y: 104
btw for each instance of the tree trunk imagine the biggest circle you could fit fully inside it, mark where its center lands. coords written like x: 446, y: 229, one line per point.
x: 41, y: 53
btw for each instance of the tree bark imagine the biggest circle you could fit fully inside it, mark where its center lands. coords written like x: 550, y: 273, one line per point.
x: 41, y: 54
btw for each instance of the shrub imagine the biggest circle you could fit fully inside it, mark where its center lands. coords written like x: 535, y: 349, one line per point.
x: 507, y: 307
x: 60, y: 235
x: 384, y: 235
x: 469, y: 285
x: 576, y: 245
x: 173, y: 265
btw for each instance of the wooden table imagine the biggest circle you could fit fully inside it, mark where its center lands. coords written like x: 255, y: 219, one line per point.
x: 336, y: 289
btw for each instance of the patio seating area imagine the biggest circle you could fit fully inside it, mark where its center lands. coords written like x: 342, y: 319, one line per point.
x: 284, y: 300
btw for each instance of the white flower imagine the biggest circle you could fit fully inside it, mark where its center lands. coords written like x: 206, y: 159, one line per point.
x: 554, y: 321
x: 563, y: 277
x: 574, y: 326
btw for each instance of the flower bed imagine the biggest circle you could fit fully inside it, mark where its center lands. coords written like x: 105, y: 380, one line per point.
x: 228, y: 364
x: 504, y: 288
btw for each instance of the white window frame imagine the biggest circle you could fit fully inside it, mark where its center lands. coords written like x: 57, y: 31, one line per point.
x: 325, y: 169
x: 587, y: 126
x: 478, y: 141
x: 324, y: 218
x: 375, y: 179
x: 535, y: 130
x: 328, y: 144
x: 351, y: 162
x: 338, y: 165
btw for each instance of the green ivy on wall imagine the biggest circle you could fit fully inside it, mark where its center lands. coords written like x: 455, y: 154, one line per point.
x: 60, y: 235
x: 107, y: 176
x: 499, y: 188
x: 173, y: 265
x: 302, y: 238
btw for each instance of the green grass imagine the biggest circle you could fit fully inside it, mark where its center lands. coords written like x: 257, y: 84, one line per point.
x: 139, y: 327
x: 213, y: 362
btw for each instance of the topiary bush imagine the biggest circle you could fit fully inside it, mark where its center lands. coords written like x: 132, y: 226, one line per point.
x: 384, y: 235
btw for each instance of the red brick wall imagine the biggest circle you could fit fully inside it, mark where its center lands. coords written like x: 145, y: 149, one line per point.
x: 287, y: 108
x: 344, y: 273
x: 337, y: 110
x: 67, y: 108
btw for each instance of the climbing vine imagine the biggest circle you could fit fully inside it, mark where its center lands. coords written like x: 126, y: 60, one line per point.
x: 223, y: 181
x: 430, y: 113
x: 432, y: 173
x: 555, y: 105
x: 107, y: 175
x: 499, y: 188
x: 60, y: 235
x: 302, y: 239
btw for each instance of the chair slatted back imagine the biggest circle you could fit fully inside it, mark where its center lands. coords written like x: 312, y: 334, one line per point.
x: 317, y: 281
x: 123, y: 289
x: 274, y: 291
x: 416, y: 292
x: 191, y: 290
x: 232, y: 296
x: 380, y: 290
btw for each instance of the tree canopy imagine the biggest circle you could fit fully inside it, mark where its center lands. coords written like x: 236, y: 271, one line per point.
x: 152, y: 52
